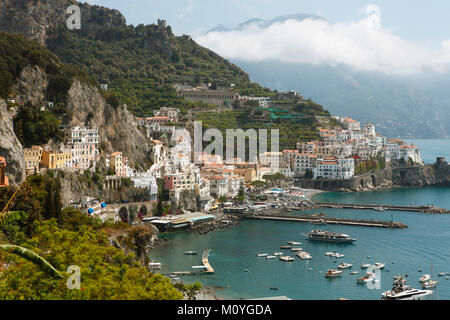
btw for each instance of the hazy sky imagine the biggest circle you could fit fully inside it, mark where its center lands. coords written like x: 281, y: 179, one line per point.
x: 414, y: 20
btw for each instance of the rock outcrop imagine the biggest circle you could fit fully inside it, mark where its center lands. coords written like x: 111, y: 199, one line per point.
x: 10, y: 146
x: 31, y: 85
x: 117, y: 126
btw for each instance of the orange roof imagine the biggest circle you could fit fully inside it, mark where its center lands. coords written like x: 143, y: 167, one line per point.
x: 217, y: 178
x: 157, y: 141
x: 349, y: 119
x: 115, y: 154
x: 2, y: 161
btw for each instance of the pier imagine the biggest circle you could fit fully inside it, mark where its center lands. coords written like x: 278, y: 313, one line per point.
x: 384, y: 207
x: 205, y: 261
x: 325, y: 220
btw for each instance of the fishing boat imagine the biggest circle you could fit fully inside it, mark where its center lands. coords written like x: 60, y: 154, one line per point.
x: 331, y: 273
x: 379, y: 265
x: 344, y: 265
x: 304, y: 255
x: 401, y: 291
x: 369, y: 277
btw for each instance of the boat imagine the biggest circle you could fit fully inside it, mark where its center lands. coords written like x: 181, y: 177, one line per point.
x: 430, y: 284
x: 328, y: 236
x: 319, y: 222
x: 271, y: 257
x: 369, y: 277
x: 354, y: 272
x: 401, y: 291
x: 379, y: 265
x: 287, y: 259
x: 304, y: 255
x: 425, y: 278
x: 278, y: 254
x: 273, y: 288
x: 331, y: 273
x: 344, y: 265
x: 191, y: 253
x: 329, y: 254
x: 285, y: 247
x: 441, y: 274
x: 380, y: 208
x: 246, y: 270
x: 366, y: 266
x: 296, y: 249
x: 293, y: 243
x: 262, y: 255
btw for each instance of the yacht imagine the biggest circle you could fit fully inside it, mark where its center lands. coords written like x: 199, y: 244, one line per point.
x: 344, y: 265
x: 331, y: 273
x: 262, y: 255
x: 401, y: 291
x: 271, y: 257
x: 430, y: 284
x: 425, y: 278
x: 304, y: 255
x: 366, y: 266
x: 379, y: 265
x: 328, y: 236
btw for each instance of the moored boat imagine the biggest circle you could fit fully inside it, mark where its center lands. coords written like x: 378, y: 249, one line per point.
x: 262, y: 255
x: 379, y: 265
x: 401, y: 291
x: 331, y: 273
x: 425, y: 278
x: 304, y: 255
x: 369, y: 277
x: 328, y: 236
x: 344, y: 265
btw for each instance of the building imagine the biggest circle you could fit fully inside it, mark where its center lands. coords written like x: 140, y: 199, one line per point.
x: 116, y: 162
x: 3, y: 178
x: 220, y: 97
x: 218, y: 186
x: 171, y: 113
x: 83, y: 144
x: 351, y: 124
x: 56, y: 160
x: 334, y: 168
x: 33, y: 159
x: 263, y: 102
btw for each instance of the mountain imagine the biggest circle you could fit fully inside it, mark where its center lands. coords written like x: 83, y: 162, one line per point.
x: 261, y: 23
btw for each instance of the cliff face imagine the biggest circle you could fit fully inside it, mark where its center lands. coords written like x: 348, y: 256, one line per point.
x: 117, y: 126
x: 31, y: 85
x: 36, y: 19
x: 10, y: 146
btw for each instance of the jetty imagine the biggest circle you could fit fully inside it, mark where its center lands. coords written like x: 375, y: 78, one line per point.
x: 206, y: 267
x: 384, y: 207
x: 326, y: 220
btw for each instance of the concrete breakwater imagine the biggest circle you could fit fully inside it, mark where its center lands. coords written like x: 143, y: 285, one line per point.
x: 383, y: 207
x: 329, y: 220
x: 415, y: 176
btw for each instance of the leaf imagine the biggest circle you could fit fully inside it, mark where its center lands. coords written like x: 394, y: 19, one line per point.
x: 32, y: 257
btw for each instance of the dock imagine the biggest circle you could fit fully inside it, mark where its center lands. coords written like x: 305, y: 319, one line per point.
x: 337, y: 221
x: 384, y: 207
x: 205, y: 261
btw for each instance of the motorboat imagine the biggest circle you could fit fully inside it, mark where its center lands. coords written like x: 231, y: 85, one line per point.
x: 430, y: 284
x: 338, y: 255
x: 331, y: 273
x: 191, y: 253
x: 329, y: 254
x: 379, y: 265
x: 368, y: 278
x: 366, y: 266
x: 278, y: 254
x: 354, y: 272
x: 425, y: 278
x: 285, y: 247
x: 401, y: 291
x: 271, y: 257
x: 441, y: 274
x: 293, y: 243
x: 287, y: 259
x: 262, y: 255
x: 304, y: 255
x: 345, y: 265
x: 296, y: 249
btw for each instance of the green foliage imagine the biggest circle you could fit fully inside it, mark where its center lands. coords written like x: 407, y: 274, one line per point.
x: 35, y: 127
x: 190, y: 290
x: 106, y: 272
x: 371, y: 165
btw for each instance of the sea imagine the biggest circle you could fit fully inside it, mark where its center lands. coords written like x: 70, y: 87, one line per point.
x: 422, y: 248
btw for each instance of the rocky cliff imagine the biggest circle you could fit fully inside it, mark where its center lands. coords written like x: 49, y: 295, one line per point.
x: 10, y: 146
x: 37, y: 19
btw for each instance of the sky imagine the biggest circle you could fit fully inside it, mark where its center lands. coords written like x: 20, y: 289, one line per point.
x: 390, y: 36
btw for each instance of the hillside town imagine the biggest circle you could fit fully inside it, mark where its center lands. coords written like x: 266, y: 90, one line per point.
x: 339, y: 154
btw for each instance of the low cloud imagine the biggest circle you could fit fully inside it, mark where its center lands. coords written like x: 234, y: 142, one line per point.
x: 363, y: 45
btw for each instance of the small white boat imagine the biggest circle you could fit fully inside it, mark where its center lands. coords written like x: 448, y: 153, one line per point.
x: 430, y: 284
x: 304, y: 255
x: 271, y: 257
x: 287, y: 259
x: 191, y: 253
x: 425, y: 278
x: 296, y: 249
x: 345, y: 265
x: 331, y: 273
x: 278, y: 254
x: 294, y: 243
x: 354, y: 272
x: 329, y: 254
x: 338, y: 255
x: 262, y: 255
x: 365, y: 266
x: 441, y: 274
x: 379, y: 265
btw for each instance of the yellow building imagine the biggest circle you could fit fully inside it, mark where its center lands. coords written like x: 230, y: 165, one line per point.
x: 32, y: 157
x: 56, y: 160
x: 117, y: 163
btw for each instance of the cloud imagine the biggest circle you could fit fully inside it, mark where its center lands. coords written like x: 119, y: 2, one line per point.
x: 363, y: 45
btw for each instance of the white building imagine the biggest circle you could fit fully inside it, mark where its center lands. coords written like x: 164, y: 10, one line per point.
x: 335, y: 169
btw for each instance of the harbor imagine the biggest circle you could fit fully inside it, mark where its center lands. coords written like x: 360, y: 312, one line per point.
x: 384, y: 207
x: 206, y: 268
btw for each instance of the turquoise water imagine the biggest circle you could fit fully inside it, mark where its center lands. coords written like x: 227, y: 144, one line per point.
x: 430, y: 149
x: 403, y: 251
